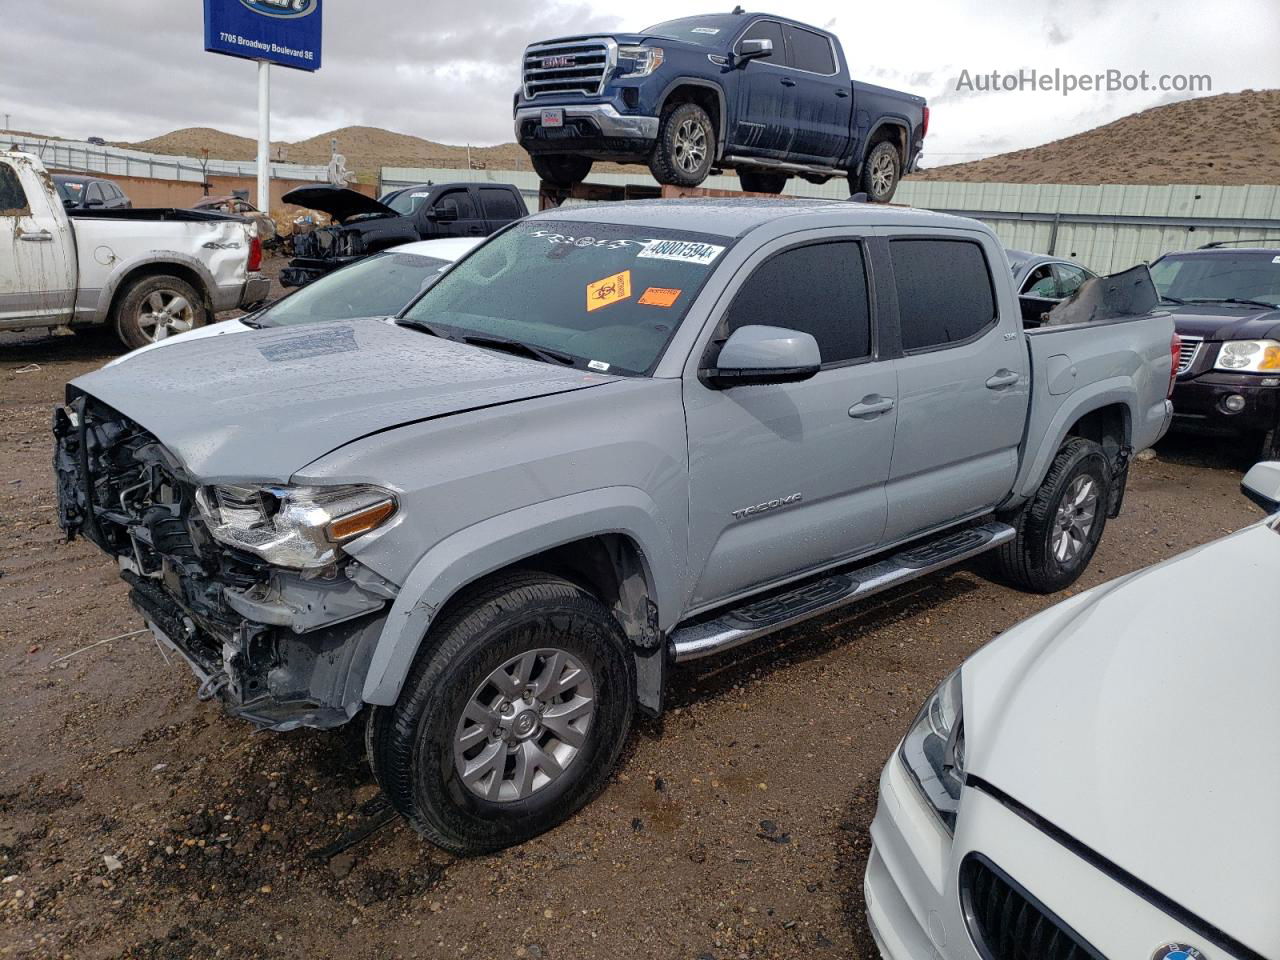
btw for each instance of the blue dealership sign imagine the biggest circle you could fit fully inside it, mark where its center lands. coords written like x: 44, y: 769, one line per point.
x: 286, y: 32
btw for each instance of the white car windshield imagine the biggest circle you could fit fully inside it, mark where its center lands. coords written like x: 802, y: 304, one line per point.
x: 378, y: 286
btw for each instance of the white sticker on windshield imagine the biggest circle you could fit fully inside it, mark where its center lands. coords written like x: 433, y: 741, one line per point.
x: 686, y: 251
x: 415, y: 195
x: 597, y: 365
x: 711, y: 30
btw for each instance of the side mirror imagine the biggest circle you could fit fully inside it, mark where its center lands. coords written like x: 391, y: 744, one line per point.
x: 93, y: 203
x: 442, y: 214
x: 754, y: 50
x: 755, y: 355
x: 1262, y: 485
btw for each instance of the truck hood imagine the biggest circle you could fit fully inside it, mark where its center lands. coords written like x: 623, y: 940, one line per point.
x: 261, y: 405
x: 1223, y: 321
x: 1140, y: 718
x: 341, y: 203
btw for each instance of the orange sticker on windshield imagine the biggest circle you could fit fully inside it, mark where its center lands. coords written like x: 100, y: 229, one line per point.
x: 659, y: 297
x: 609, y: 290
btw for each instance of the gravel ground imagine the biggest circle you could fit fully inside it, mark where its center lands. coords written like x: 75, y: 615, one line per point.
x: 138, y: 822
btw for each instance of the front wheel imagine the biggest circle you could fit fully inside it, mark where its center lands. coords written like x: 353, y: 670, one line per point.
x: 561, y: 170
x: 1059, y: 529
x: 686, y: 146
x: 511, y: 721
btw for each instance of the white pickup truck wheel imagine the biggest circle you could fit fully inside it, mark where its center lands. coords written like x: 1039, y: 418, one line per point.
x: 157, y: 307
x: 1059, y: 529
x: 511, y: 719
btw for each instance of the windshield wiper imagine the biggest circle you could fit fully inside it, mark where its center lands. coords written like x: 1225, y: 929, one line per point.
x: 519, y: 347
x: 1165, y: 298
x: 1240, y: 300
x: 419, y: 325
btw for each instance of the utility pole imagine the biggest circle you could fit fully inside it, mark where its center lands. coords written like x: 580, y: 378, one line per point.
x: 264, y: 136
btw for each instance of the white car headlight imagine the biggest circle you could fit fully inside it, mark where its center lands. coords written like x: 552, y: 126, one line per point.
x: 933, y: 749
x: 300, y: 527
x: 1249, y: 356
x: 638, y: 61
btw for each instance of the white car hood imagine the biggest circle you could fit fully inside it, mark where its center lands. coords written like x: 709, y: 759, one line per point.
x: 1143, y: 718
x: 219, y: 329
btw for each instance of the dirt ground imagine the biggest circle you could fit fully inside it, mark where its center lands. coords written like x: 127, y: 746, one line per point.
x: 136, y: 821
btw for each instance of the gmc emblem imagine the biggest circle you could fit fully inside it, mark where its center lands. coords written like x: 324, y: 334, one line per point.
x: 560, y: 60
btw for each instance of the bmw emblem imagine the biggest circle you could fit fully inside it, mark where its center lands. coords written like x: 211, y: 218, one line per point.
x: 1177, y: 951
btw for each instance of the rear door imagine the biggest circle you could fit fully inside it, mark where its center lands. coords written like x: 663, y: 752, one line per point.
x: 963, y: 382
x: 824, y: 105
x: 767, y: 104
x: 37, y: 269
x: 787, y: 478
x: 499, y: 206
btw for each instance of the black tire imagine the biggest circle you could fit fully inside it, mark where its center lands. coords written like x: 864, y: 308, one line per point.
x: 1269, y: 444
x: 411, y: 745
x: 881, y: 172
x: 756, y: 181
x: 683, y: 126
x: 136, y: 300
x: 1029, y: 560
x: 562, y: 170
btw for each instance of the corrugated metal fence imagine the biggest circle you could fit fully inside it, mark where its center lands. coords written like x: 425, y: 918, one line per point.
x: 1107, y: 228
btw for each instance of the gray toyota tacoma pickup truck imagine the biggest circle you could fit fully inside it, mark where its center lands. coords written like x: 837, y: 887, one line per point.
x: 608, y: 441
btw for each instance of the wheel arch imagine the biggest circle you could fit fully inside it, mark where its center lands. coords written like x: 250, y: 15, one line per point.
x: 157, y: 264
x: 707, y: 94
x: 609, y: 542
x: 893, y: 130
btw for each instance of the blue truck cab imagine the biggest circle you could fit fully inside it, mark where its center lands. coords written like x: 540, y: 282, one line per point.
x: 764, y: 95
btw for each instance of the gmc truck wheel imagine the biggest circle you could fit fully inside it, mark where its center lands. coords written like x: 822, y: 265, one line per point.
x: 561, y: 170
x: 1059, y: 529
x: 880, y: 173
x: 755, y: 181
x: 512, y: 717
x: 686, y: 146
x: 157, y: 307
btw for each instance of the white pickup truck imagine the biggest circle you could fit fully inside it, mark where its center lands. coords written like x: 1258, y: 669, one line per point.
x: 149, y: 273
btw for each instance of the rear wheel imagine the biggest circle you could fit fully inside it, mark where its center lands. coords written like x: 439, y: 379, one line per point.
x: 880, y: 173
x: 561, y: 170
x: 157, y: 307
x: 1059, y: 529
x: 756, y: 181
x: 511, y: 721
x: 686, y: 146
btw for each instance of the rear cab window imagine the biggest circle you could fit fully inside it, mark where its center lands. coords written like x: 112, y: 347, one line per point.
x: 945, y: 293
x: 609, y: 296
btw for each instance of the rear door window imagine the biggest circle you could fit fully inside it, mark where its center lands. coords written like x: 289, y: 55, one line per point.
x: 13, y: 199
x: 810, y: 51
x: 820, y: 289
x: 499, y: 204
x: 944, y: 290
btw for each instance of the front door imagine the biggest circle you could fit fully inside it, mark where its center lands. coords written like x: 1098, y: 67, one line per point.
x: 823, y: 97
x: 767, y: 100
x: 37, y: 278
x: 467, y: 220
x: 786, y: 478
x: 963, y: 385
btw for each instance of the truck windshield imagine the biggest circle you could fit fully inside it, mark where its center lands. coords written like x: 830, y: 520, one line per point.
x: 704, y: 31
x: 1248, y: 277
x: 607, y: 297
x: 378, y: 286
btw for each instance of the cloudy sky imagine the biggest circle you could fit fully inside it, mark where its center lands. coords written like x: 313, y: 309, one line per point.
x: 132, y: 69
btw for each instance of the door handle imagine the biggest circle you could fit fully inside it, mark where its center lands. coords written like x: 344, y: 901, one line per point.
x: 842, y: 93
x: 44, y: 236
x: 870, y: 407
x: 788, y: 82
x: 1002, y: 378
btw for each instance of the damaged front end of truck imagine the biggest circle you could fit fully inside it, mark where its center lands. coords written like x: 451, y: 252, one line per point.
x: 249, y: 583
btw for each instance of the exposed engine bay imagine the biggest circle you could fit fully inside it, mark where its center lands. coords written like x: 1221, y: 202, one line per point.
x: 280, y: 647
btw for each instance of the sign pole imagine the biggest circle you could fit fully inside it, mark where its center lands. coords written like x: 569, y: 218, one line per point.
x: 264, y: 136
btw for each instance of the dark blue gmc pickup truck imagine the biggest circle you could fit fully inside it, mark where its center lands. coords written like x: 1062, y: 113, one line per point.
x: 764, y: 95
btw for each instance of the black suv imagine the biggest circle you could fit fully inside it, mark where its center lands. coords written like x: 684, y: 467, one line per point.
x: 364, y: 225
x: 1225, y: 303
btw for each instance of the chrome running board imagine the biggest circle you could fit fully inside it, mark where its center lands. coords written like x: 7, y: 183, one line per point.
x: 758, y: 617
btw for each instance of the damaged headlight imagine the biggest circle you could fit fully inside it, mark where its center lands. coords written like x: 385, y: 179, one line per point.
x: 933, y: 749
x: 296, y: 527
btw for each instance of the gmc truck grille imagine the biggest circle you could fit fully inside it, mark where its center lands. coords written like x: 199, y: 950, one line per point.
x: 568, y: 66
x: 1008, y: 923
x: 1190, y: 350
